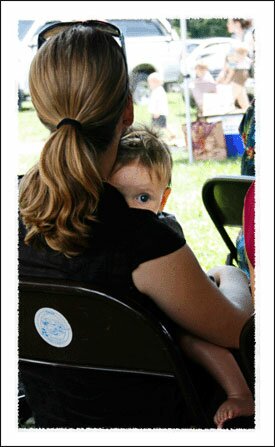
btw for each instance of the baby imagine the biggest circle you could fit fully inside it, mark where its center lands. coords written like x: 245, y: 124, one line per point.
x: 142, y: 173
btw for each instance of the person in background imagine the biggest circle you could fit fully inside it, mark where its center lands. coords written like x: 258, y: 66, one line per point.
x: 247, y: 132
x: 236, y: 73
x: 158, y: 102
x: 249, y: 234
x: 203, y: 83
x: 142, y: 173
x: 242, y: 31
x: 202, y: 73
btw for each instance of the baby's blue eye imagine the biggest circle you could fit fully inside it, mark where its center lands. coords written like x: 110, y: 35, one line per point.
x: 143, y: 198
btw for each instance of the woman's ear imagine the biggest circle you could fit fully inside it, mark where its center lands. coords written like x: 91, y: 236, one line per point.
x: 164, y: 198
x: 128, y: 114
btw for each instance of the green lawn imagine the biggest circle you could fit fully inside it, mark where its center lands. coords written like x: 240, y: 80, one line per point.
x: 185, y: 201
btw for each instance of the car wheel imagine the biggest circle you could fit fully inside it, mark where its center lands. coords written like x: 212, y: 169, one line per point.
x: 140, y: 88
x: 20, y: 99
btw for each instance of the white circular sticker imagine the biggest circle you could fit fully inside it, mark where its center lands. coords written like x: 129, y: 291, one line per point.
x: 53, y: 327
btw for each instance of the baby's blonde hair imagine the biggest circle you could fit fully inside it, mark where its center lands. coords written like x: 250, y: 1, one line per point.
x: 144, y: 145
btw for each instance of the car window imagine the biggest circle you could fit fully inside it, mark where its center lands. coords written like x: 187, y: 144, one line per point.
x: 220, y: 49
x: 137, y: 28
x: 217, y: 47
x: 23, y: 27
x: 190, y: 47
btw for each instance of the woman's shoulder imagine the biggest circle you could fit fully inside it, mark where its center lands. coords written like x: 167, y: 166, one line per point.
x: 146, y: 236
x: 151, y: 237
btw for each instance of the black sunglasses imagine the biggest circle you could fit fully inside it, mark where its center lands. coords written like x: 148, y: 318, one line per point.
x: 106, y: 27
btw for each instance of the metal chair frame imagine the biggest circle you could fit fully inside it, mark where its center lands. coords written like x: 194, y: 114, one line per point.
x: 110, y: 334
x: 223, y: 197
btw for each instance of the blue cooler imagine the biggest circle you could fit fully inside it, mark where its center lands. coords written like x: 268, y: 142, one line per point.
x: 234, y: 145
x: 230, y: 124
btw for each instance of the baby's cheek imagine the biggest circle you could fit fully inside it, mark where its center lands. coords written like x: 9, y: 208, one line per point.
x: 134, y: 203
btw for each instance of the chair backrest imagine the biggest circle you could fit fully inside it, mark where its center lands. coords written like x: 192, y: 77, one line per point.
x: 72, y: 325
x: 223, y: 197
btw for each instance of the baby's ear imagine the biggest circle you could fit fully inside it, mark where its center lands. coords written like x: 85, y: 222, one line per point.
x: 165, y: 198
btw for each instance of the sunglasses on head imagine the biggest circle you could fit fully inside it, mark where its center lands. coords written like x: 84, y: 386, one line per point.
x: 106, y: 27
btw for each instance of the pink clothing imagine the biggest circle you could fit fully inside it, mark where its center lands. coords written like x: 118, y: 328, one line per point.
x: 249, y: 223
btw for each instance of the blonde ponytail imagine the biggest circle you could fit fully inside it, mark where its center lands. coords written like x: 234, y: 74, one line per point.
x: 80, y: 75
x: 60, y: 195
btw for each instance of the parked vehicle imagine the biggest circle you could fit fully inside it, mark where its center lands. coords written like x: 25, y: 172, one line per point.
x: 191, y: 44
x: 23, y: 28
x: 28, y: 31
x: 151, y: 45
x: 212, y: 51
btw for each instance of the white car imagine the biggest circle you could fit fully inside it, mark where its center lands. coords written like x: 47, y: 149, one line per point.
x: 191, y: 44
x: 28, y: 31
x: 151, y: 45
x: 212, y: 51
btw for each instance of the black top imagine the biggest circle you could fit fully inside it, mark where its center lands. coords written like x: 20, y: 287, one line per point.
x: 171, y: 221
x: 122, y: 239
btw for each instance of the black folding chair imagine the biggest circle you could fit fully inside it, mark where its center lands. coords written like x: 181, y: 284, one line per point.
x: 70, y: 334
x: 223, y: 197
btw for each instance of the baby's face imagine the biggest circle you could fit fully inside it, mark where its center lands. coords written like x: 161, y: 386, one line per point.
x: 140, y: 187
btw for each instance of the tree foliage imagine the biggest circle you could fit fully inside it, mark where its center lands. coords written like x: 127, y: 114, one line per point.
x: 197, y: 28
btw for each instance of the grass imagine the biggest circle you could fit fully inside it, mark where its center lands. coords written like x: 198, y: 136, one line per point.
x: 176, y: 117
x: 185, y: 201
x: 30, y: 129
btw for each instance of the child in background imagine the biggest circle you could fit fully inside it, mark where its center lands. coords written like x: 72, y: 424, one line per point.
x: 142, y: 173
x: 203, y: 74
x: 204, y: 83
x: 158, y: 103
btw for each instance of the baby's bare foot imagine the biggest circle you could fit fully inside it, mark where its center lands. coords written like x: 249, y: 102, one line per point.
x: 234, y: 406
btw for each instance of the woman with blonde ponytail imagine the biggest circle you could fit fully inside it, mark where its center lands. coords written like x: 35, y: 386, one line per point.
x: 59, y: 196
x: 75, y: 226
